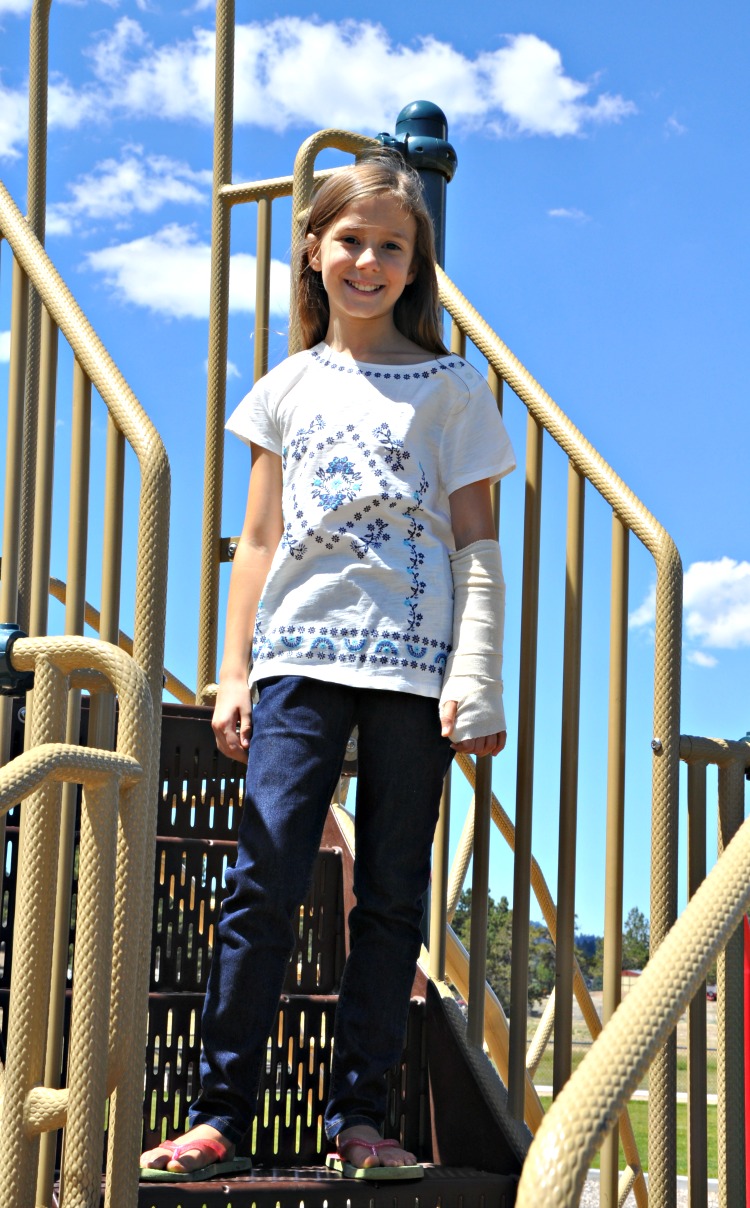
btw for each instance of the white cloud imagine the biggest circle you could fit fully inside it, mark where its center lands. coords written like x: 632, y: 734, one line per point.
x: 169, y: 272
x: 4, y: 346
x: 16, y: 7
x: 294, y: 71
x: 529, y: 85
x: 68, y: 108
x: 716, y: 600
x: 701, y: 659
x: 717, y: 603
x: 673, y: 126
x: 644, y: 616
x: 571, y: 213
x: 136, y: 182
x: 14, y: 121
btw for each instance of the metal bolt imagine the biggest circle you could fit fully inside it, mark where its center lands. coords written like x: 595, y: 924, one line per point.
x: 22, y: 715
x: 231, y: 550
x: 351, y: 748
x: 656, y: 746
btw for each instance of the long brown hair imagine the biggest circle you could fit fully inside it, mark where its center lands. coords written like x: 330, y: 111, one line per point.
x: 417, y: 312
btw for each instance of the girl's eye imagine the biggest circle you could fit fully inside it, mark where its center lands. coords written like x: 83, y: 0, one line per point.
x: 393, y: 247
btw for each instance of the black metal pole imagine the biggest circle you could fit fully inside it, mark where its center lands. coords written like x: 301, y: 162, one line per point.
x: 421, y: 137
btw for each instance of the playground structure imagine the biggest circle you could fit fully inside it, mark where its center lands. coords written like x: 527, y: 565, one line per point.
x: 129, y: 795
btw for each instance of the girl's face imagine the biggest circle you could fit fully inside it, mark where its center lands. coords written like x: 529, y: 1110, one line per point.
x: 366, y: 257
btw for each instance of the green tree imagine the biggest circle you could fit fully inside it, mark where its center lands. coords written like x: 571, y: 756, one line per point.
x: 541, y: 963
x: 635, y: 940
x: 499, y: 923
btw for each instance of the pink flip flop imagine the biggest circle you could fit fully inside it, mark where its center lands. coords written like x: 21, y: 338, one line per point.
x: 217, y: 1164
x: 337, y: 1161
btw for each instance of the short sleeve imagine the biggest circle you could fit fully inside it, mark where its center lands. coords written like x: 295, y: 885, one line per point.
x: 253, y: 421
x: 475, y: 444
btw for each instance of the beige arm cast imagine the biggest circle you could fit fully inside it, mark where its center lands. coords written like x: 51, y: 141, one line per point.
x: 473, y: 673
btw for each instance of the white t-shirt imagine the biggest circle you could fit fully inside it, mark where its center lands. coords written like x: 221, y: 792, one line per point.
x: 360, y: 589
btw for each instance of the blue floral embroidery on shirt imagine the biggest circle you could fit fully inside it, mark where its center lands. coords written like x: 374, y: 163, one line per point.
x: 396, y: 455
x: 298, y: 446
x: 373, y: 538
x: 416, y: 556
x: 296, y: 547
x: 324, y: 648
x: 336, y: 483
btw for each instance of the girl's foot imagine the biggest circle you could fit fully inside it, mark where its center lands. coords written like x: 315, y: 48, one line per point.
x: 161, y: 1158
x: 363, y: 1156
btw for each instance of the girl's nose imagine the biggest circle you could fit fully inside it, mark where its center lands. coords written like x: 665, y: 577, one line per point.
x: 368, y: 257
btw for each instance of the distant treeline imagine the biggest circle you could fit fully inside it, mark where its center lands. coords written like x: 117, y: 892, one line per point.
x: 589, y: 949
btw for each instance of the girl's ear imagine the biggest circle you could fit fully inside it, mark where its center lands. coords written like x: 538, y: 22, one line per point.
x: 412, y: 273
x: 313, y: 251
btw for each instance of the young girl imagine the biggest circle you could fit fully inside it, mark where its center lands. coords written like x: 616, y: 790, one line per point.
x: 369, y: 574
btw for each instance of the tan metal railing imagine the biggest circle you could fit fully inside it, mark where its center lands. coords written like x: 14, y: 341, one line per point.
x: 628, y: 515
x: 496, y: 1035
x: 115, y: 876
x: 591, y: 1101
x: 24, y: 592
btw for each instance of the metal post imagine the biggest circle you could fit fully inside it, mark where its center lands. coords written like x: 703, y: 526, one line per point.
x: 421, y: 137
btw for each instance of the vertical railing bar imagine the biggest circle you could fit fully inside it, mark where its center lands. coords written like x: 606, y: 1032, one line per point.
x: 571, y: 704
x: 208, y: 620
x: 40, y: 567
x: 102, y: 706
x: 439, y: 893
x: 613, y: 886
x: 12, y: 497
x: 525, y: 769
x: 14, y: 445
x: 730, y: 994
x: 36, y: 191
x: 262, y: 287
x: 458, y: 345
x: 480, y: 878
x: 78, y: 515
x: 495, y: 383
x: 697, y: 1032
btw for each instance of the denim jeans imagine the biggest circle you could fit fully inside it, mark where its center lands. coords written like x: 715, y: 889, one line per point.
x: 300, y: 729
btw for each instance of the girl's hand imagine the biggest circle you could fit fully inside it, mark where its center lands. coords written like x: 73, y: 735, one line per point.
x: 490, y: 744
x: 232, y: 721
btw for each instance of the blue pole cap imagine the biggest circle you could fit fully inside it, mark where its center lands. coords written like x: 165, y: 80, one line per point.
x: 12, y: 682
x: 422, y: 117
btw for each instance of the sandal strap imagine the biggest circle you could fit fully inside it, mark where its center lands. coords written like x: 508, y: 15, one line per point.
x: 203, y: 1145
x: 343, y: 1145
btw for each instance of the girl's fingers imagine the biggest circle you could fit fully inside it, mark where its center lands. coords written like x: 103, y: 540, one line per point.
x: 448, y: 712
x: 490, y: 744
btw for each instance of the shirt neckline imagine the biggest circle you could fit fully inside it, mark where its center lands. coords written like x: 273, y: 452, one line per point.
x: 324, y: 349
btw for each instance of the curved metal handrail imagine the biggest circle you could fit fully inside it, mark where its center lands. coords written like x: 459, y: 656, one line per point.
x: 131, y: 420
x: 588, y: 1106
x: 667, y: 658
x: 497, y: 1025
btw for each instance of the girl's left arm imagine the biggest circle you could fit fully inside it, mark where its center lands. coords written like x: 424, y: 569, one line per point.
x: 471, y: 520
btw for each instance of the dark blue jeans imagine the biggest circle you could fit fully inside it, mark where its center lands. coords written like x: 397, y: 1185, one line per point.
x: 300, y: 730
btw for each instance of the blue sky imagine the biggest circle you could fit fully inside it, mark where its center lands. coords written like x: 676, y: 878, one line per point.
x: 598, y: 220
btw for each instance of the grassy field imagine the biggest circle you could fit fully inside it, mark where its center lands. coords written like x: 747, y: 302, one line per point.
x: 543, y: 1075
x: 639, y: 1119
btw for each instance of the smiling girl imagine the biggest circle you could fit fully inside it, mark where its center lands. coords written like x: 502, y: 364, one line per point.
x: 367, y: 587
